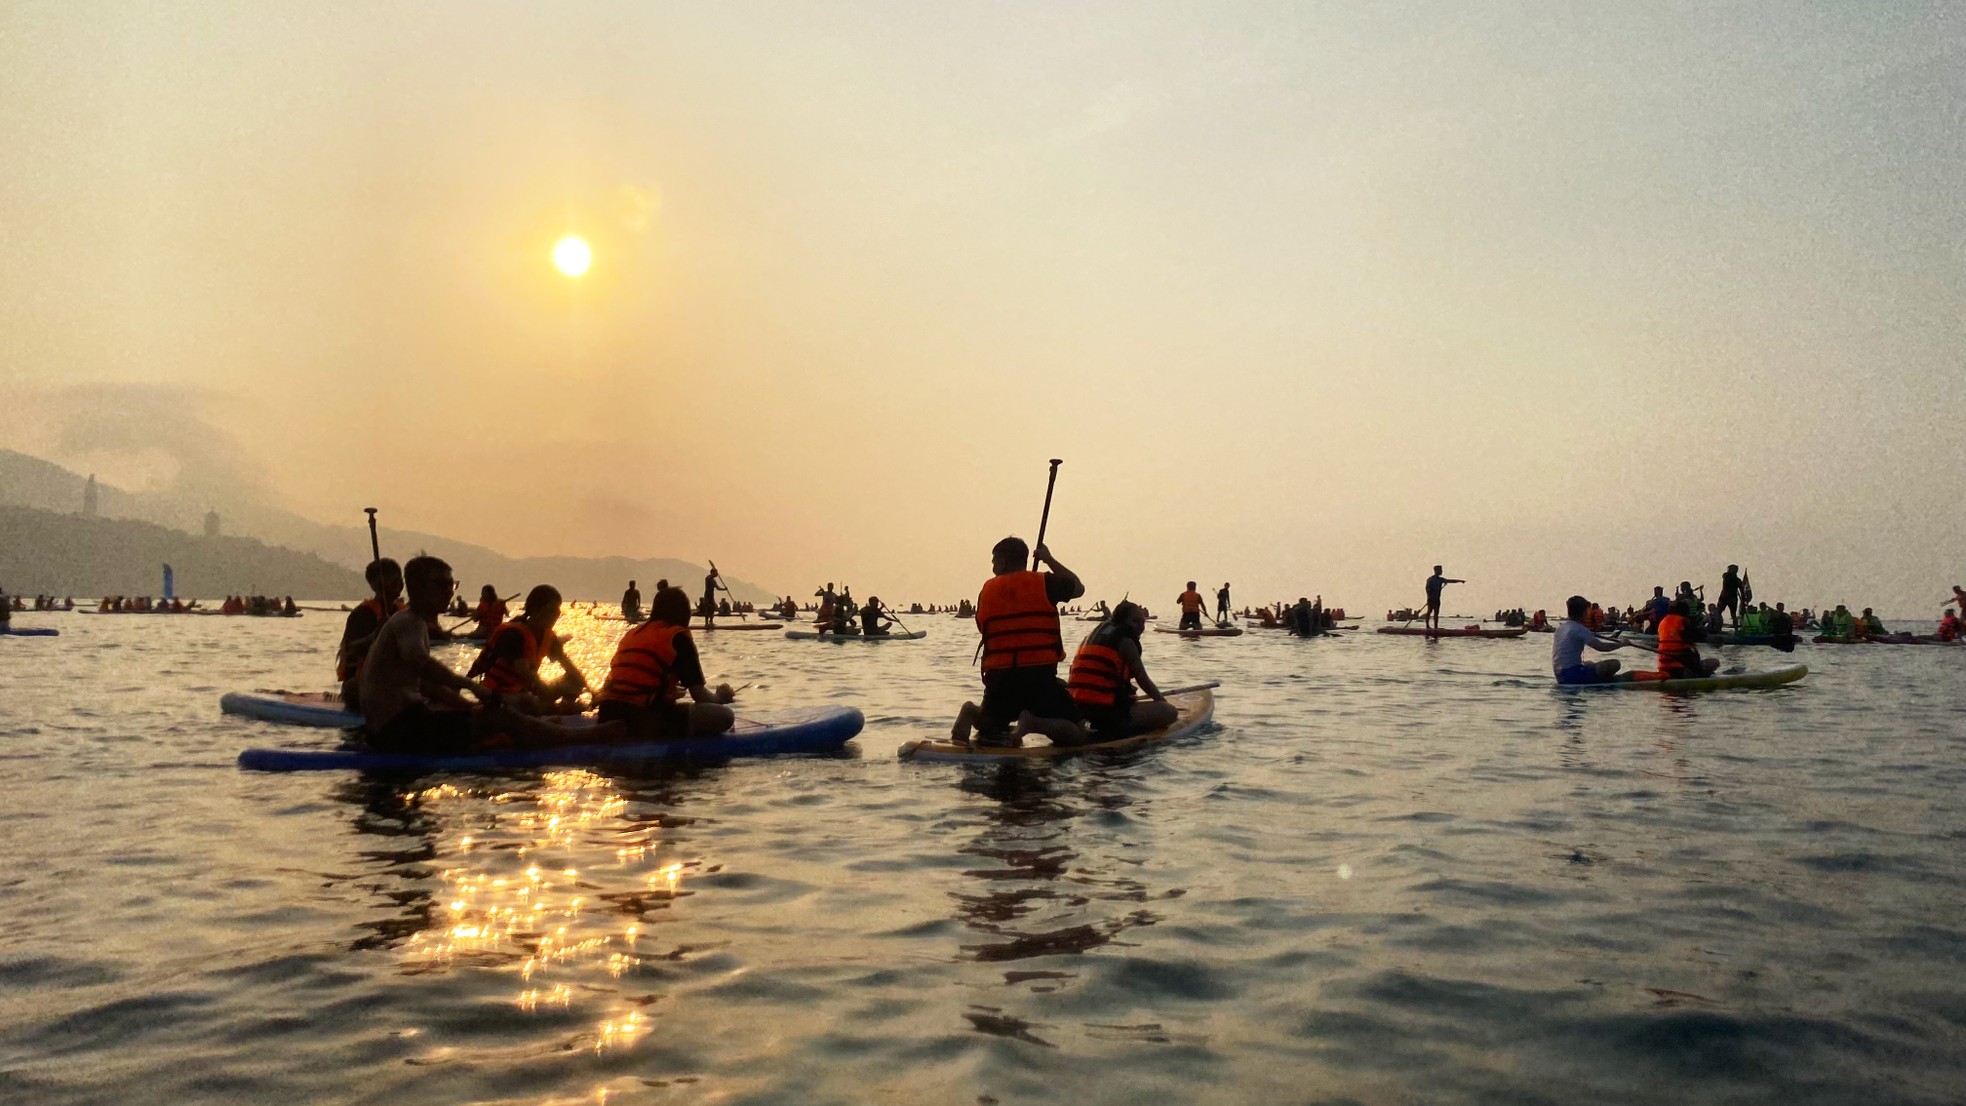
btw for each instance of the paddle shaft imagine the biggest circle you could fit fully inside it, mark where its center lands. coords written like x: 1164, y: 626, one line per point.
x: 1045, y: 519
x: 375, y: 544
x: 1184, y: 690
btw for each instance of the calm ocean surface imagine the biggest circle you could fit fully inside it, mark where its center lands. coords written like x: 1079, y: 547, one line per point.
x: 1394, y: 871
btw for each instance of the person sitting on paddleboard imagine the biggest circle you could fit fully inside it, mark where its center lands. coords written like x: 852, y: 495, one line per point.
x: 1872, y: 626
x: 1192, y: 605
x: 1017, y: 614
x: 400, y: 680
x: 385, y: 579
x: 1949, y: 626
x: 655, y: 665
x: 1103, y: 673
x: 1656, y: 610
x: 1679, y: 658
x: 490, y: 613
x: 873, y: 621
x: 1567, y: 648
x: 509, y: 662
x: 1435, y: 583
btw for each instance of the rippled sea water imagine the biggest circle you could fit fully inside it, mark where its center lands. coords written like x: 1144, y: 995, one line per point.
x: 1393, y: 871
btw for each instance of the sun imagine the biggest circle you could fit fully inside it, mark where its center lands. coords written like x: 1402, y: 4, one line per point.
x: 571, y: 255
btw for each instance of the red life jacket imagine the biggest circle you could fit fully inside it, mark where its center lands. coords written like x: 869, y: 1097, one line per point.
x: 643, y: 669
x: 349, y: 667
x: 1675, y: 652
x: 1019, y: 623
x: 1100, y: 676
x: 503, y: 673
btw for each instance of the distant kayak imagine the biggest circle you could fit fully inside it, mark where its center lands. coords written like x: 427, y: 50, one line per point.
x: 1719, y: 681
x: 1468, y: 631
x: 814, y: 635
x: 772, y: 733
x: 1206, y: 631
x: 30, y: 631
x: 1196, y: 708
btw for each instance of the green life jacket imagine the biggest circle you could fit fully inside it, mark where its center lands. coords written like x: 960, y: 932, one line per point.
x: 1753, y: 623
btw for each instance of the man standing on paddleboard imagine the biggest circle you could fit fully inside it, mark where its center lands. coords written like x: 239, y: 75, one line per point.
x: 1730, y: 595
x: 1192, y: 604
x: 1222, y: 606
x: 1017, y: 613
x: 1434, y: 584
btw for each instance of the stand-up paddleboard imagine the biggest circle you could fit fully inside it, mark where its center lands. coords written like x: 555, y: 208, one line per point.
x: 737, y: 626
x: 773, y: 733
x: 30, y: 631
x: 814, y: 635
x: 1467, y: 631
x: 292, y: 708
x: 1205, y: 631
x: 1774, y: 677
x: 1196, y: 708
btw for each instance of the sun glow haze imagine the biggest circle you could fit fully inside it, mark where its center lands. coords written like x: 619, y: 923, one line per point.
x: 572, y: 256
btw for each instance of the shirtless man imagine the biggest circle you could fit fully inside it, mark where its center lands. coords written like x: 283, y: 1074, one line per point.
x: 410, y: 699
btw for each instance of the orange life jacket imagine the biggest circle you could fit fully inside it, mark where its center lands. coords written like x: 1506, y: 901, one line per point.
x: 1019, y: 624
x: 1100, y: 677
x: 505, y: 674
x: 1675, y: 652
x: 1594, y: 618
x: 490, y: 612
x: 643, y: 669
x: 1192, y: 602
x: 347, y: 667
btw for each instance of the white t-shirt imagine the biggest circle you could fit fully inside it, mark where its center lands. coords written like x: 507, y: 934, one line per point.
x: 392, y: 675
x: 1567, y: 651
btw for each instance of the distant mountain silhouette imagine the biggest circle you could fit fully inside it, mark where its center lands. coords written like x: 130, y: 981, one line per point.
x: 70, y: 554
x: 32, y: 482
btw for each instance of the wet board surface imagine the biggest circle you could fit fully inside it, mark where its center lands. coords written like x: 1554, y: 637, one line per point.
x: 1417, y: 631
x: 765, y: 733
x: 1196, y: 707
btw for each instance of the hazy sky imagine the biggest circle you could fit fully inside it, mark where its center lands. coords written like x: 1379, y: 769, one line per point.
x: 1309, y: 296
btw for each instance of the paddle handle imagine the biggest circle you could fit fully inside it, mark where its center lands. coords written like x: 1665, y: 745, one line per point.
x: 375, y: 544
x: 1045, y: 519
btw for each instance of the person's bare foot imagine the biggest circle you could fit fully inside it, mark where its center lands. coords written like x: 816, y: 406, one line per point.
x: 1026, y: 722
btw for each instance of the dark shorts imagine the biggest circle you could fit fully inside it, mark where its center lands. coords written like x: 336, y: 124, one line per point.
x: 1191, y: 620
x: 418, y: 728
x: 654, y: 722
x: 1586, y: 673
x: 1012, y: 691
x: 1109, y: 723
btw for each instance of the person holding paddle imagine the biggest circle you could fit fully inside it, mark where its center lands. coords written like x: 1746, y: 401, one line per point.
x: 1192, y: 605
x: 489, y: 615
x: 1017, y: 614
x: 1568, y: 645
